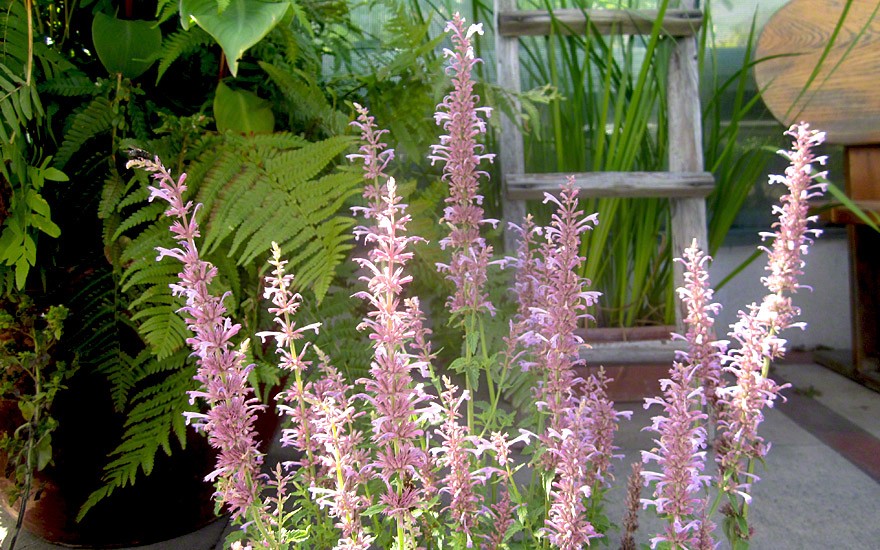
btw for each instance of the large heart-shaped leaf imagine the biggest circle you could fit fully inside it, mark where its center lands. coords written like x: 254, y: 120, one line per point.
x: 125, y: 46
x: 241, y: 25
x: 242, y: 111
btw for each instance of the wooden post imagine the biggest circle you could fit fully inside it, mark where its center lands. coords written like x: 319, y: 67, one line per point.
x: 685, y: 152
x: 510, y: 143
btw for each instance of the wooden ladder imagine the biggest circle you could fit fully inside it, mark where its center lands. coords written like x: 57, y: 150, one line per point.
x: 686, y: 184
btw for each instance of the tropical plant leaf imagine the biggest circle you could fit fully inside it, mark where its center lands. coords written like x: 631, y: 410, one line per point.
x: 238, y: 27
x: 242, y: 111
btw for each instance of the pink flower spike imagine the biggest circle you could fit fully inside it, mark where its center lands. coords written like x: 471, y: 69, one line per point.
x: 461, y: 155
x: 222, y: 374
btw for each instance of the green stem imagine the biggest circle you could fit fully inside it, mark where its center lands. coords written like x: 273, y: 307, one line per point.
x: 468, y: 354
x: 489, y: 382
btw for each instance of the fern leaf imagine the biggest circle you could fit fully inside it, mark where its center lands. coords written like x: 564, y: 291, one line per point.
x: 283, y: 225
x: 277, y: 140
x: 306, y: 98
x: 67, y: 85
x: 155, y: 273
x: 179, y: 44
x: 162, y: 328
x: 241, y: 201
x: 299, y: 165
x: 153, y: 419
x: 95, y: 118
x: 124, y: 378
x: 215, y: 170
x: 143, y: 247
x: 113, y: 190
x: 150, y: 212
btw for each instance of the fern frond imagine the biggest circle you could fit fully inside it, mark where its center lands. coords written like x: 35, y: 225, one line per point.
x: 162, y: 328
x: 307, y: 100
x: 123, y: 378
x: 112, y: 192
x: 150, y: 212
x: 154, y: 274
x: 143, y: 247
x: 75, y: 85
x: 277, y: 140
x: 155, y: 416
x: 180, y: 44
x: 293, y: 167
x: 95, y: 118
x: 245, y: 200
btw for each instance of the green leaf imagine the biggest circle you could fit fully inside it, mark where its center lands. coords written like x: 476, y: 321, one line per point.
x: 37, y: 203
x: 44, y: 451
x: 373, y: 510
x: 54, y: 174
x: 27, y: 409
x: 242, y: 111
x: 22, y: 268
x: 125, y: 46
x: 45, y: 225
x: 241, y: 25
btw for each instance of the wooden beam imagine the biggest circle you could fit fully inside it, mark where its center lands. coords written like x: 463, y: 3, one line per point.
x: 685, y: 155
x: 574, y: 21
x: 510, y: 141
x: 614, y: 184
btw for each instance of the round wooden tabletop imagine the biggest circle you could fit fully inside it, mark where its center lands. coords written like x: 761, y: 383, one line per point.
x: 844, y: 97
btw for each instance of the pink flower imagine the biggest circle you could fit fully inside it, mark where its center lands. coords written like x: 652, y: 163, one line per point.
x: 373, y: 152
x: 704, y: 352
x: 682, y: 436
x: 757, y: 330
x: 342, y: 455
x: 455, y: 454
x: 229, y: 421
x: 394, y: 323
x: 461, y: 155
x: 560, y: 304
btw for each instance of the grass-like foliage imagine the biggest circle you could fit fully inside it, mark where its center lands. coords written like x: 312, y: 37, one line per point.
x: 402, y: 458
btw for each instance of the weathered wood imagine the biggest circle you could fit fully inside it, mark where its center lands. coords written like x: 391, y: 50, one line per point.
x: 613, y: 184
x: 844, y: 104
x: 685, y: 154
x: 574, y: 21
x: 511, y: 155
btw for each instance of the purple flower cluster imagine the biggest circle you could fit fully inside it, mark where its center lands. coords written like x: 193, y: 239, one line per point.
x: 757, y: 331
x: 455, y: 454
x: 374, y: 153
x: 285, y: 304
x: 679, y: 452
x: 232, y: 408
x: 343, y: 456
x: 601, y: 424
x: 704, y: 352
x: 572, y: 449
x: 560, y: 305
x: 459, y: 152
x: 678, y: 486
x: 390, y: 389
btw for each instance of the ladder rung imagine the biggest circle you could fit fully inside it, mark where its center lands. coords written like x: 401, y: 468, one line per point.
x: 574, y: 21
x: 613, y: 184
